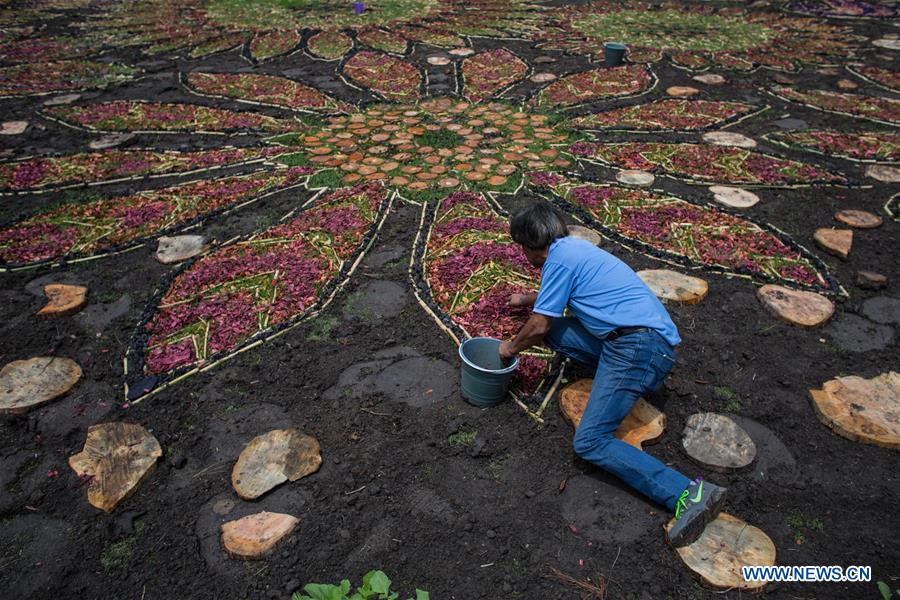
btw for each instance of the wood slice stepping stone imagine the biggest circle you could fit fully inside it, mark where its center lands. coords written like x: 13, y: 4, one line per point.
x: 860, y: 219
x: 636, y: 178
x: 64, y: 300
x: 709, y: 79
x: 177, y: 249
x: 672, y: 285
x: 834, y: 241
x: 583, y: 233
x: 846, y: 84
x: 882, y: 309
x: 542, y: 77
x: 733, y: 197
x: 726, y: 545
x: 862, y: 410
x: 438, y: 60
x: 117, y: 457
x: 682, y: 91
x: 729, y: 138
x: 716, y: 442
x: 883, y: 173
x: 254, y: 536
x: 804, y: 309
x: 889, y: 43
x: 13, y: 127
x: 273, y: 458
x: 26, y: 384
x: 61, y: 100
x: 462, y: 52
x: 643, y: 425
x: 110, y: 141
x: 870, y: 280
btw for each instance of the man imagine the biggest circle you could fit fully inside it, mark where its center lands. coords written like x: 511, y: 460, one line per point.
x: 617, y: 325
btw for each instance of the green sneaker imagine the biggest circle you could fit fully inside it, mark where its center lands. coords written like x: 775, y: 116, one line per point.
x: 699, y: 504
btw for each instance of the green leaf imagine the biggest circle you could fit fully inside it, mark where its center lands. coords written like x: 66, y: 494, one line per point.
x: 422, y: 595
x: 377, y: 581
x: 326, y: 591
x: 885, y: 590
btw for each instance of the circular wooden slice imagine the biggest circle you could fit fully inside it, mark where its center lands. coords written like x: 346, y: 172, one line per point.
x: 861, y: 219
x: 715, y: 441
x: 583, y: 233
x: 254, y: 536
x: 64, y: 300
x: 728, y: 138
x: 804, y: 309
x: 733, y: 197
x: 883, y: 173
x: 671, y: 285
x: 682, y: 91
x: 709, y: 79
x: 13, y: 127
x: 438, y: 60
x: 834, y: 241
x: 542, y: 77
x: 726, y: 545
x: 273, y: 458
x: 862, y: 410
x: 637, y: 178
x: 462, y: 52
x: 643, y: 425
x: 889, y: 43
x: 26, y: 384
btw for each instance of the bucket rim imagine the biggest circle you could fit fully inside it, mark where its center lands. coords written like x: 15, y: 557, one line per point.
x: 504, y: 371
x: 615, y: 45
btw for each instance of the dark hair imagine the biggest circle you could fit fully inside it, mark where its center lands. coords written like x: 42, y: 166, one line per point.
x: 536, y: 226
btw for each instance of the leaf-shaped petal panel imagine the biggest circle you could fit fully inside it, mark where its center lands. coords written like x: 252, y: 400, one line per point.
x: 95, y: 228
x: 393, y: 78
x: 467, y: 270
x: 60, y: 76
x: 871, y: 108
x: 260, y: 89
x: 694, y: 235
x: 886, y: 78
x: 267, y: 44
x: 669, y: 114
x: 708, y: 163
x: 253, y: 288
x: 487, y: 73
x: 863, y: 146
x: 596, y: 84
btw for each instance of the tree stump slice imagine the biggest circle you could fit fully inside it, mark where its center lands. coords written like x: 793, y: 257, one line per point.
x: 254, y: 536
x: 635, y: 178
x: 179, y: 248
x: 643, y: 425
x: 273, y: 458
x: 834, y: 241
x: 671, y: 285
x: 726, y: 545
x: 709, y: 79
x: 682, y: 91
x: 715, y: 441
x: 883, y: 173
x: 803, y: 309
x: 861, y: 219
x: 117, y: 457
x: 26, y: 384
x: 13, y: 127
x: 64, y: 300
x: 733, y: 197
x: 729, y: 138
x: 862, y: 410
x: 583, y: 233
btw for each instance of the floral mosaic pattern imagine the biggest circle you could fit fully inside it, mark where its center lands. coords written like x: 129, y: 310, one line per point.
x: 261, y: 90
x: 60, y: 76
x: 94, y: 228
x: 488, y: 73
x: 707, y: 163
x: 596, y: 84
x: 250, y: 289
x: 889, y: 79
x: 871, y: 108
x: 131, y: 116
x: 844, y: 9
x: 669, y: 114
x: 393, y: 78
x: 869, y: 146
x: 42, y: 49
x: 697, y: 37
x: 43, y: 172
x: 693, y: 234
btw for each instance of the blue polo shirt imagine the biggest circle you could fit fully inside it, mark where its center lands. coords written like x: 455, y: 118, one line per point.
x: 600, y: 290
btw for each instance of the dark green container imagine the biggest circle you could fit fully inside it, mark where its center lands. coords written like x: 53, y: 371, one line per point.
x: 485, y: 378
x: 614, y: 53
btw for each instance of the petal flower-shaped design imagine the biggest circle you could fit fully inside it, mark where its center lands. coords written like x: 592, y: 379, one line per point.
x: 888, y: 79
x: 486, y: 74
x: 843, y: 9
x: 329, y: 45
x: 139, y: 117
x: 596, y: 84
x: 268, y: 44
x: 871, y: 108
x: 42, y: 49
x: 708, y: 163
x: 389, y: 76
x: 866, y: 146
x: 91, y: 168
x: 60, y: 76
x: 251, y: 289
x: 465, y: 268
x: 261, y: 90
x: 669, y: 114
x: 99, y: 227
x: 691, y: 234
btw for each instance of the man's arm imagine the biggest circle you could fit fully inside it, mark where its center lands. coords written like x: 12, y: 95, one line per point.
x: 530, y: 335
x: 527, y: 299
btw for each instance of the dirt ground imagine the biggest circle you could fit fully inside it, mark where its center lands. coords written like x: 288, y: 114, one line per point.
x: 462, y: 502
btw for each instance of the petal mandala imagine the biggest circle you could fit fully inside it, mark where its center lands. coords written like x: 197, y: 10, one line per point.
x: 268, y: 44
x: 96, y: 228
x: 60, y: 76
x: 249, y: 290
x: 43, y: 49
x: 379, y: 39
x: 391, y: 77
x: 695, y: 235
x: 889, y: 79
x: 871, y: 108
x: 669, y: 114
x: 708, y: 163
x: 843, y: 9
x: 596, y: 84
x: 466, y: 267
x: 217, y: 44
x: 329, y: 45
x: 133, y: 116
x: 868, y: 146
x: 487, y: 73
x: 259, y: 89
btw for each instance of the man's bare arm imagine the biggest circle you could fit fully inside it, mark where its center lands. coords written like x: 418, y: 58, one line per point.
x: 527, y: 299
x: 531, y: 334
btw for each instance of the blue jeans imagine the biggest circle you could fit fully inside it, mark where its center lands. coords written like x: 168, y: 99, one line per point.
x: 627, y: 367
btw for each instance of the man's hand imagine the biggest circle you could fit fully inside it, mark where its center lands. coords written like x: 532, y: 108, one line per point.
x: 506, y: 351
x: 523, y: 299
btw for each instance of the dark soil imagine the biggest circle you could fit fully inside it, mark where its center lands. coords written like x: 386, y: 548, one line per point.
x: 374, y: 380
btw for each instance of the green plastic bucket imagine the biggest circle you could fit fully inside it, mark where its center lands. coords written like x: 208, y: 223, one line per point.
x: 614, y: 53
x: 484, y: 375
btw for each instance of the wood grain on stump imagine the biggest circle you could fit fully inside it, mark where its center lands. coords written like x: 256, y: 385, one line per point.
x: 179, y: 248
x: 733, y: 197
x: 117, y: 457
x: 862, y: 410
x: 13, y: 127
x: 726, y: 545
x: 64, y: 300
x: 254, y: 536
x: 709, y: 79
x: 273, y: 458
x: 834, y: 241
x: 715, y: 441
x: 636, y: 178
x: 861, y: 219
x: 25, y: 384
x: 883, y: 173
x: 682, y: 91
x: 675, y: 286
x: 729, y: 138
x: 804, y: 309
x: 643, y: 425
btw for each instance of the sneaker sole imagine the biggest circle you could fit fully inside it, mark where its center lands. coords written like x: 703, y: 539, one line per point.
x: 695, y: 529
